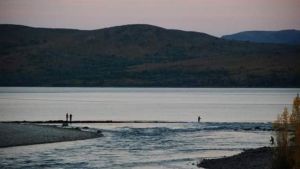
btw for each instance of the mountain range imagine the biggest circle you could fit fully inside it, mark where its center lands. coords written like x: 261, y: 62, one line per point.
x: 141, y: 56
x: 280, y: 37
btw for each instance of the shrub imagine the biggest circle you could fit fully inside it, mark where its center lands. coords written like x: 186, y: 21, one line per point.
x: 287, y: 128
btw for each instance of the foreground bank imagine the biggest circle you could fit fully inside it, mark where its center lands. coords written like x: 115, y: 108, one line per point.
x: 260, y: 158
x: 13, y: 134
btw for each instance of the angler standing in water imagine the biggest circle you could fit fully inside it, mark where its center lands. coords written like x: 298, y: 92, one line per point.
x: 199, y: 118
x: 272, y: 140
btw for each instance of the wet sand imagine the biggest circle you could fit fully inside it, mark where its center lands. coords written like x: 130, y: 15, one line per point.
x: 14, y: 134
x: 260, y: 158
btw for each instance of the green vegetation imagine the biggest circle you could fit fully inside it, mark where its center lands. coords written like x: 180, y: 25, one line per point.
x: 141, y: 55
x: 287, y: 127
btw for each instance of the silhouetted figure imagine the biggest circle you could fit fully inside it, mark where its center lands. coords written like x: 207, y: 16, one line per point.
x: 70, y: 118
x: 199, y: 118
x: 272, y: 140
x: 66, y: 122
x: 67, y: 117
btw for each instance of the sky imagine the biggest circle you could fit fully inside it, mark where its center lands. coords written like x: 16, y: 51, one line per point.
x: 215, y: 17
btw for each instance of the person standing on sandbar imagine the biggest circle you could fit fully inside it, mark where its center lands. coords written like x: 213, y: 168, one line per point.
x: 67, y: 117
x: 70, y: 118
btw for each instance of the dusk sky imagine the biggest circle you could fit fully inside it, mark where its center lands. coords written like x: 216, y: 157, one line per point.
x: 215, y: 17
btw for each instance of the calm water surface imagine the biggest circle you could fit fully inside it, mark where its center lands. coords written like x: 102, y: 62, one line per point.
x: 172, y: 104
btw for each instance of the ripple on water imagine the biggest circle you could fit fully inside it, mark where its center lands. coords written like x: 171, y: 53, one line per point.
x: 163, y: 146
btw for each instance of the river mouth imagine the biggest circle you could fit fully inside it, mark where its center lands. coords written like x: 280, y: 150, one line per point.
x: 130, y: 145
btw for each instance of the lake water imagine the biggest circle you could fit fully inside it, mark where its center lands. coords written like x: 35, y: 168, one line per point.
x: 233, y: 119
x: 171, y: 104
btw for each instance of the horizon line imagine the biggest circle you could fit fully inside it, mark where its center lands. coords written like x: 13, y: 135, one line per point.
x: 145, y: 24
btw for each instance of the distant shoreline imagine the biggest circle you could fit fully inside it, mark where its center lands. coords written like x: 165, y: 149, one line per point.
x: 153, y: 87
x: 123, y: 121
x: 93, y: 121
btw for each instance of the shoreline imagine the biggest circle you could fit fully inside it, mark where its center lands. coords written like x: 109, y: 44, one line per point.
x: 124, y: 121
x: 16, y: 134
x: 259, y: 158
x: 93, y: 121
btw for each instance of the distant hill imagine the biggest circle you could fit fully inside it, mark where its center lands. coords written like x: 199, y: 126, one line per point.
x: 141, y: 55
x: 281, y: 37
